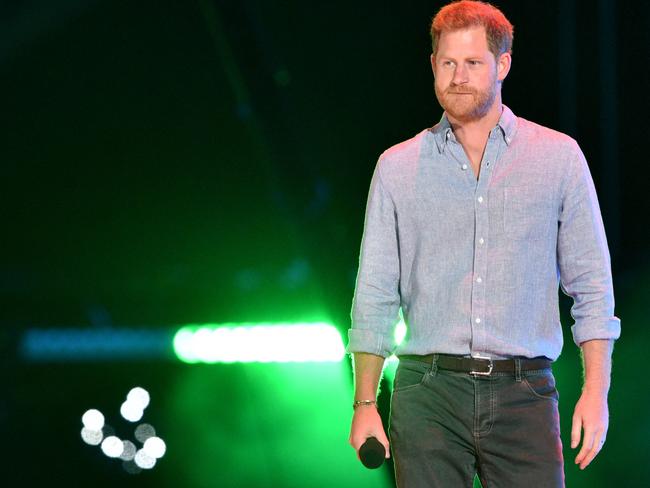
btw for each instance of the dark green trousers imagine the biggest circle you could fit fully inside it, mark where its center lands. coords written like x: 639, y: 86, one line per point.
x: 447, y: 426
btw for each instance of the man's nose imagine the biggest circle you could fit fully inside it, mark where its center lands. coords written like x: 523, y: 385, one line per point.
x: 460, y: 75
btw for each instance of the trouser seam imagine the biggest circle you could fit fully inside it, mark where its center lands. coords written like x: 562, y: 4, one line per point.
x: 483, y: 474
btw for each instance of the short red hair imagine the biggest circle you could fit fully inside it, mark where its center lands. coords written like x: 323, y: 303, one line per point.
x: 471, y: 13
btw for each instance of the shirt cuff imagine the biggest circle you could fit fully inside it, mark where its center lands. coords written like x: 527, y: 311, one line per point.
x: 369, y: 341
x: 596, y: 329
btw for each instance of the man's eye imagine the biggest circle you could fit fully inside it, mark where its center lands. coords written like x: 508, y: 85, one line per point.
x: 474, y: 62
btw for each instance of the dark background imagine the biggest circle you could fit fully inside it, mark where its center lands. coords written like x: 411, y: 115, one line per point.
x: 172, y: 162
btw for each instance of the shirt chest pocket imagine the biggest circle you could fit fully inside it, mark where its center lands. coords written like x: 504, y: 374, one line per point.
x: 529, y: 212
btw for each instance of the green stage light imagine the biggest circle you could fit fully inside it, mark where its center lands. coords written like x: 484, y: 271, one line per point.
x: 400, y: 331
x: 390, y: 366
x: 263, y: 343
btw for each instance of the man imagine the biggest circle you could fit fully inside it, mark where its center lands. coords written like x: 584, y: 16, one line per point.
x: 470, y: 227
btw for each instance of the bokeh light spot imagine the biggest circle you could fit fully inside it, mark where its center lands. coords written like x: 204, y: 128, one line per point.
x: 144, y: 431
x: 128, y: 451
x: 139, y: 396
x: 112, y: 446
x: 93, y: 419
x: 131, y: 411
x: 143, y: 460
x: 108, y: 430
x: 92, y: 437
x: 130, y: 467
x: 155, y: 447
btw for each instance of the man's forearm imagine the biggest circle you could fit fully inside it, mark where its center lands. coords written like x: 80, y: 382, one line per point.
x: 597, y: 359
x: 366, y: 421
x: 367, y: 373
x: 591, y: 415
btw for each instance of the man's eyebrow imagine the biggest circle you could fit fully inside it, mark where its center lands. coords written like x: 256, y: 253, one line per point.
x: 453, y: 58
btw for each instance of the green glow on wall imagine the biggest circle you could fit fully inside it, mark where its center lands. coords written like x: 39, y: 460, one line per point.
x: 263, y: 343
x: 263, y: 425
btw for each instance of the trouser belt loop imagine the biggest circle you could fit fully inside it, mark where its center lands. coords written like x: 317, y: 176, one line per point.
x: 434, y: 364
x: 517, y: 369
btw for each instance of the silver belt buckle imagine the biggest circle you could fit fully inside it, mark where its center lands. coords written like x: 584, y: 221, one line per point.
x: 483, y: 373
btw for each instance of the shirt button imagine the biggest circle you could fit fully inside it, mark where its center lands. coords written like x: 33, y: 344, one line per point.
x: 477, y: 320
x: 479, y: 279
x: 464, y: 166
x: 481, y: 241
x: 480, y: 199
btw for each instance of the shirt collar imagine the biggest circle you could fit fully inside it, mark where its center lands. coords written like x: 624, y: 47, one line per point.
x: 443, y: 132
x: 508, y: 124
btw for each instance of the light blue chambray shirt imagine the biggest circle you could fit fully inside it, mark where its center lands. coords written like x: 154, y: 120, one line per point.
x: 475, y: 263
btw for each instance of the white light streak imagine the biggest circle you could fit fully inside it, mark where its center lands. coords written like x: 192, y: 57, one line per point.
x: 300, y: 342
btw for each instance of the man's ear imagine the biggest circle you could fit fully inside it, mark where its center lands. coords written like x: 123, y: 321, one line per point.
x: 503, y: 66
x: 433, y: 64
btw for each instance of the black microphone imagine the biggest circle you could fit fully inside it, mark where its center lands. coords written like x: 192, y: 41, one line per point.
x: 372, y: 453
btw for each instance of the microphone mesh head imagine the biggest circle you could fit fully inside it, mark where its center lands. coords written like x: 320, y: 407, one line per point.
x: 372, y: 453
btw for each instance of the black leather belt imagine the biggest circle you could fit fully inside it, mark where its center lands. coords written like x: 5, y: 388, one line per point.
x: 481, y: 366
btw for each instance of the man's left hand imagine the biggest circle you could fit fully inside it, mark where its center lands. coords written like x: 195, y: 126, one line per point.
x: 591, y: 418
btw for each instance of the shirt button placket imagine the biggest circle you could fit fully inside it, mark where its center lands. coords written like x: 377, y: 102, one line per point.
x: 477, y: 308
x: 481, y: 209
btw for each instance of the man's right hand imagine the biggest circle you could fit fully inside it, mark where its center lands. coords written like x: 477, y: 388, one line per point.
x: 366, y: 423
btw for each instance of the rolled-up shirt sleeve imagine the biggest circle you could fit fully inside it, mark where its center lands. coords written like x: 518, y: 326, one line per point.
x: 583, y: 257
x: 375, y: 307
